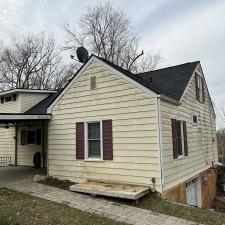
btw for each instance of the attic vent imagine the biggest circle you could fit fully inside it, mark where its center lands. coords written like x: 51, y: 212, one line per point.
x: 93, y: 82
x: 150, y: 80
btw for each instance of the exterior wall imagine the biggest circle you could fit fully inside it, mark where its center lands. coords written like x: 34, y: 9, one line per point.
x: 202, y: 149
x: 176, y: 194
x: 207, y: 189
x: 135, y: 135
x: 24, y: 101
x: 7, y: 143
x: 25, y: 153
x: 11, y: 107
x: 27, y: 100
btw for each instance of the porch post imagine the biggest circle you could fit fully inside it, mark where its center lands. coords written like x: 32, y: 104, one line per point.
x: 16, y: 143
x: 43, y: 141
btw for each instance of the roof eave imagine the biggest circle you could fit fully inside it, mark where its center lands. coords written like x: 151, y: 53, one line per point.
x: 20, y: 117
x: 170, y: 100
x: 26, y: 91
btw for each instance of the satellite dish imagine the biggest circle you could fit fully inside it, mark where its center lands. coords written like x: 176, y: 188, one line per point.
x: 82, y: 54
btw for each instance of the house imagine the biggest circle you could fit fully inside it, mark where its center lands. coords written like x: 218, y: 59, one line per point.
x: 155, y: 129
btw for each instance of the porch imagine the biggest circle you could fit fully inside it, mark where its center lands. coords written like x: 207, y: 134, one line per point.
x: 21, y: 137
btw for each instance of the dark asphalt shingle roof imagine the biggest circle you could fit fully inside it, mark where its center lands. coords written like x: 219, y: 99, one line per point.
x: 41, y: 107
x: 170, y: 81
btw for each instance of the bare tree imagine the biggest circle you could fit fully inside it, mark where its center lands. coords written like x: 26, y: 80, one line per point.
x: 221, y: 141
x: 33, y: 62
x: 107, y: 32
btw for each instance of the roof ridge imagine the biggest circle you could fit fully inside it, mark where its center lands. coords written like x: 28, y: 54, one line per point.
x: 197, y: 61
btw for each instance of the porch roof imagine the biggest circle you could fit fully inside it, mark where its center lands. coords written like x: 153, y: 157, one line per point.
x: 12, y: 117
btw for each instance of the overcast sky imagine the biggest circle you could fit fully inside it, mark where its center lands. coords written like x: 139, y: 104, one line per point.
x: 183, y: 30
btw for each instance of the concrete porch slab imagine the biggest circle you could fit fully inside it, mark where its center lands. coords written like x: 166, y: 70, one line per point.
x: 118, y: 190
x: 18, y: 174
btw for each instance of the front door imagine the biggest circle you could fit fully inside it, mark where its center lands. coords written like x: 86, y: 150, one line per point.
x: 191, y: 190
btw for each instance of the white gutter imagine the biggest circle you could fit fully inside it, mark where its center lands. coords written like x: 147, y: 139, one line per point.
x: 160, y: 141
x: 24, y: 117
x: 26, y: 91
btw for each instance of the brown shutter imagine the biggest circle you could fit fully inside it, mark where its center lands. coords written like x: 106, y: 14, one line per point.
x: 174, y: 137
x: 203, y: 91
x: 14, y: 97
x: 196, y: 86
x: 107, y: 140
x: 23, y: 136
x: 2, y: 100
x: 80, y: 140
x: 185, y: 139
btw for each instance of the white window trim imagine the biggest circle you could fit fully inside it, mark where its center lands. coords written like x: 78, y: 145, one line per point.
x: 86, y: 141
x: 182, y: 137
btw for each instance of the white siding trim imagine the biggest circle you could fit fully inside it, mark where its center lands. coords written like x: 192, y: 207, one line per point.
x: 160, y: 143
x: 116, y: 72
x: 25, y: 91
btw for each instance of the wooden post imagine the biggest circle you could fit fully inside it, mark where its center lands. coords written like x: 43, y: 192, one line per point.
x: 16, y: 143
x: 43, y: 142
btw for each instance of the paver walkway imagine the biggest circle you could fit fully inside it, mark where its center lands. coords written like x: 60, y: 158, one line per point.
x: 102, y: 207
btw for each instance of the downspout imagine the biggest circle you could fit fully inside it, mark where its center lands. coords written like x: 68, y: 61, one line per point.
x: 160, y: 142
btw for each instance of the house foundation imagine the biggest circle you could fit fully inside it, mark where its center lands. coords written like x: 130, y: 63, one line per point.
x: 198, y: 191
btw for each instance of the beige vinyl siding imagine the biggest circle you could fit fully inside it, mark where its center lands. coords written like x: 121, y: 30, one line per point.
x: 10, y: 107
x: 134, y: 121
x: 7, y: 143
x: 202, y: 149
x: 25, y: 153
x: 27, y: 100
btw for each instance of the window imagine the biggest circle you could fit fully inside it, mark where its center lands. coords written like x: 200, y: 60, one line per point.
x: 93, y: 82
x: 31, y: 136
x: 194, y: 119
x: 93, y: 140
x: 8, y: 99
x: 180, y: 137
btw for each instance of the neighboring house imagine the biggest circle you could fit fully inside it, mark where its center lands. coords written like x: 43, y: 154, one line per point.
x: 155, y: 129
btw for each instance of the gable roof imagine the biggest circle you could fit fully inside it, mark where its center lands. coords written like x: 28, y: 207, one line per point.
x: 169, y: 83
x: 41, y: 107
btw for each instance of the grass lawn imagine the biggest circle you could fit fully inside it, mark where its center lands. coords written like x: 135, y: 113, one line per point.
x: 203, y: 216
x: 20, y: 209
